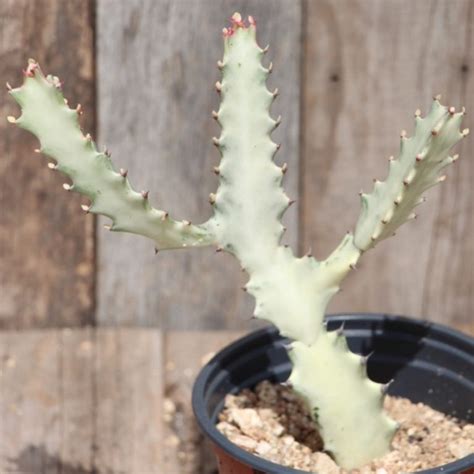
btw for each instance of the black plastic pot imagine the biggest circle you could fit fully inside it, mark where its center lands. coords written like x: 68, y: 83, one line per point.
x: 429, y: 363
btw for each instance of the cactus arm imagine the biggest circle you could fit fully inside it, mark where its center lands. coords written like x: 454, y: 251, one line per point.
x: 249, y: 201
x: 421, y: 159
x: 45, y: 113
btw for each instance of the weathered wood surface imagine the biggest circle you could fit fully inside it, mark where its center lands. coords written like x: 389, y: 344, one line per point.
x: 81, y: 401
x: 367, y: 66
x: 46, y: 245
x: 156, y: 75
x: 185, y: 450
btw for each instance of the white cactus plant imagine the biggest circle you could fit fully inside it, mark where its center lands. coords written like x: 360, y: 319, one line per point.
x: 291, y: 292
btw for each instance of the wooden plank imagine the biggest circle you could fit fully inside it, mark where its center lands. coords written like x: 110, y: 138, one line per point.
x: 184, y: 446
x: 46, y: 244
x: 368, y: 66
x: 156, y: 71
x: 81, y: 401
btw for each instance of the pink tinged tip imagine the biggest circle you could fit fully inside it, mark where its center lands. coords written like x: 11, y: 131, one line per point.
x: 251, y: 20
x: 452, y: 110
x: 419, y: 157
x: 218, y: 86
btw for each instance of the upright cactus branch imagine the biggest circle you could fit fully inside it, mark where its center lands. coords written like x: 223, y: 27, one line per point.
x: 291, y: 292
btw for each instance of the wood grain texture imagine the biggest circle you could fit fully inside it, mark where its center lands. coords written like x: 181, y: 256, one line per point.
x: 368, y: 66
x: 46, y: 244
x: 81, y: 401
x: 185, y: 448
x: 156, y: 75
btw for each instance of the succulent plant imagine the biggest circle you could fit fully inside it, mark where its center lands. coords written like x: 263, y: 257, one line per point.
x: 291, y: 292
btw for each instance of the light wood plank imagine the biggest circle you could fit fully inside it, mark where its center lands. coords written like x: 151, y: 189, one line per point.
x: 81, y: 401
x: 156, y: 71
x: 186, y: 451
x: 46, y: 243
x: 368, y: 66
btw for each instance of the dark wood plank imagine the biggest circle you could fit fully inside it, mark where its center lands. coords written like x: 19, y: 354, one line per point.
x: 368, y: 66
x: 156, y: 73
x: 81, y: 401
x: 46, y: 244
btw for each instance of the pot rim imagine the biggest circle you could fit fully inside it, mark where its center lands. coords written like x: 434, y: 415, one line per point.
x: 208, y: 427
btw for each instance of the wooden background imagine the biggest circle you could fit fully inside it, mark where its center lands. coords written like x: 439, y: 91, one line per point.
x: 100, y: 339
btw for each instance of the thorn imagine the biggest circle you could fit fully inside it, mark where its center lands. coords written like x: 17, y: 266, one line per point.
x: 291, y: 202
x: 364, y: 359
x: 219, y: 249
x: 88, y: 138
x: 265, y: 50
x: 218, y: 86
x: 309, y: 253
x: 66, y: 102
x: 455, y: 158
x: 391, y: 158
x: 79, y: 109
x: 452, y: 110
x: 165, y: 216
x: 123, y: 172
x: 283, y: 228
x: 9, y: 87
x: 67, y: 187
x: 417, y: 113
x: 340, y: 329
x: 52, y: 166
x: 270, y: 68
x: 277, y: 122
x: 156, y: 251
x: 37, y: 150
x: 352, y: 266
x: 376, y: 181
x: 85, y: 208
x: 384, y: 388
x: 275, y: 92
x: 145, y: 194
x: 361, y: 192
x: 216, y: 170
x: 373, y: 238
x: 243, y: 289
x: 11, y: 119
x: 406, y: 182
x: 463, y: 110
x: 441, y: 178
x: 107, y: 152
x: 397, y: 201
x: 419, y: 157
x: 465, y: 132
x: 412, y: 216
x: 437, y: 97
x: 403, y: 134
x: 278, y: 146
x: 215, y: 115
x: 434, y: 132
x: 251, y: 20
x: 107, y: 227
x: 421, y: 200
x: 284, y: 168
x: 220, y: 65
x: 187, y: 223
x: 215, y: 141
x: 384, y: 221
x: 212, y: 198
